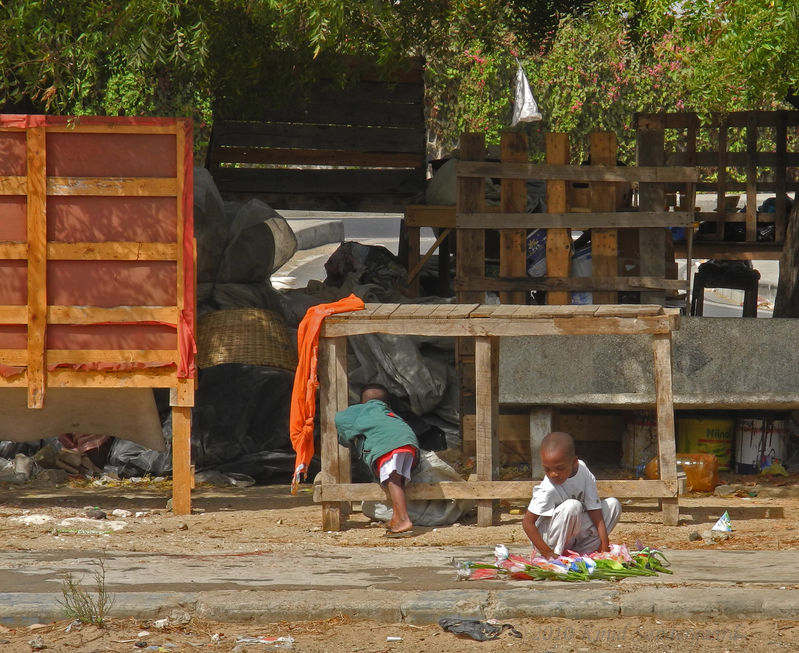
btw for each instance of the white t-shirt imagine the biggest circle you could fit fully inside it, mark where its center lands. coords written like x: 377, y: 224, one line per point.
x: 582, y: 486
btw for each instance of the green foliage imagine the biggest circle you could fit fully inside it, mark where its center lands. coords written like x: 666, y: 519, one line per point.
x: 592, y: 63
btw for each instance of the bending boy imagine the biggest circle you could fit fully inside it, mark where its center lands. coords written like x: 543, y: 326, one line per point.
x: 389, y: 447
x: 565, y: 511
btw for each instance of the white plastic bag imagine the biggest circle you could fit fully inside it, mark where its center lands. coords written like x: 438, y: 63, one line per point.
x: 435, y: 512
x: 525, y: 108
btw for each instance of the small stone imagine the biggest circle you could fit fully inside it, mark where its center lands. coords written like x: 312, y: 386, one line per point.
x: 95, y: 513
x: 37, y: 643
x: 183, y: 526
x: 122, y: 514
x: 279, y: 522
x: 694, y: 536
x: 160, y: 623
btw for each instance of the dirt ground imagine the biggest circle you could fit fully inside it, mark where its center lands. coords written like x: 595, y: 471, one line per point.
x: 642, y: 635
x: 764, y: 514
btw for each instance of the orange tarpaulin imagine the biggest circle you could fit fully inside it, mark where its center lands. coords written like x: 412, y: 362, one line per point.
x: 306, y: 381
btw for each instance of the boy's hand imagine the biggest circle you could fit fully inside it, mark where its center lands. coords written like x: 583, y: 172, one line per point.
x: 604, y: 547
x: 547, y: 552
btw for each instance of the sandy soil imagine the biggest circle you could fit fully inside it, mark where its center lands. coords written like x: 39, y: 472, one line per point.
x: 764, y: 514
x: 642, y: 635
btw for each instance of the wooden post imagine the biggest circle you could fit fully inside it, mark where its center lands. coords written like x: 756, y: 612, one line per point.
x: 751, y: 177
x: 469, y: 263
x: 721, y: 180
x: 651, y: 240
x: 513, y: 199
x: 559, y: 242
x: 37, y: 266
x: 541, y: 423
x: 181, y: 399
x: 412, y: 250
x: 333, y: 398
x: 487, y: 417
x: 781, y: 214
x: 604, y: 242
x: 664, y: 403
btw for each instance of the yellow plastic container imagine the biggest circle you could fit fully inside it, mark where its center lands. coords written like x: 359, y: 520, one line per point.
x: 707, y: 435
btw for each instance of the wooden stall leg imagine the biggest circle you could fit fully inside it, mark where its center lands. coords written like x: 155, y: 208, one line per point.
x: 486, y: 363
x: 412, y: 257
x: 664, y: 401
x: 541, y: 423
x: 333, y: 390
x: 182, y: 399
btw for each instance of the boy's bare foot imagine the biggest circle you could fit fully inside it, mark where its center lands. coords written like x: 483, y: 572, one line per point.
x: 399, y: 525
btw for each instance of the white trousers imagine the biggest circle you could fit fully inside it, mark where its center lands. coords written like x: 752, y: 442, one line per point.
x: 571, y: 528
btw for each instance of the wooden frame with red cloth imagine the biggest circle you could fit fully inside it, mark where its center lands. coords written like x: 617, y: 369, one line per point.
x: 97, y: 259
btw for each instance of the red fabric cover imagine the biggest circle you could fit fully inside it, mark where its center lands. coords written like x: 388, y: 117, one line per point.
x: 306, y: 381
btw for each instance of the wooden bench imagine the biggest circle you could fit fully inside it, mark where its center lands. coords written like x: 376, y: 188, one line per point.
x: 486, y: 324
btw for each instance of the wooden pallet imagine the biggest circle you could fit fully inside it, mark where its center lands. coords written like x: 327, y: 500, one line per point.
x: 767, y: 169
x: 484, y: 325
x: 97, y: 258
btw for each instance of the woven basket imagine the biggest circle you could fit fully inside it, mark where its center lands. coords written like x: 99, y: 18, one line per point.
x: 250, y: 336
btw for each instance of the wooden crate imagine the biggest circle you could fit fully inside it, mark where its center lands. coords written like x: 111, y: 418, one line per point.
x: 97, y: 261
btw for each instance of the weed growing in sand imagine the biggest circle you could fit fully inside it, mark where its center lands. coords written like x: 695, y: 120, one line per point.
x: 81, y: 605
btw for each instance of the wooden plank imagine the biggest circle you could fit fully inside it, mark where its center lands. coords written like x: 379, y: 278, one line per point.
x: 182, y: 476
x: 14, y: 357
x: 82, y: 126
x: 510, y: 427
x: 652, y: 241
x: 751, y: 179
x: 326, y: 137
x: 13, y: 251
x: 570, y: 325
x: 156, y: 377
x: 562, y: 171
x: 461, y: 311
x: 604, y: 242
x: 13, y: 185
x: 333, y: 398
x: 733, y: 251
x: 11, y: 314
x: 559, y: 242
x: 430, y: 215
x: 633, y: 489
x: 667, y: 457
x: 513, y: 199
x: 112, y: 251
x: 183, y: 394
x: 297, y: 157
x: 486, y: 363
x: 112, y: 186
x: 575, y: 220
x: 165, y: 357
x: 576, y: 284
x: 383, y: 311
x: 320, y: 181
x: 37, y: 265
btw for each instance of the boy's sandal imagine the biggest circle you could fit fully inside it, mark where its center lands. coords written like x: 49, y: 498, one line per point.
x: 396, y: 535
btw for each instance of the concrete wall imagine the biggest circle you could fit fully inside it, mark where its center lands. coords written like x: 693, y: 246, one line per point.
x: 717, y: 363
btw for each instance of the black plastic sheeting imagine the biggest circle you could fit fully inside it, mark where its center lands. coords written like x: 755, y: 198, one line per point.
x: 240, y: 423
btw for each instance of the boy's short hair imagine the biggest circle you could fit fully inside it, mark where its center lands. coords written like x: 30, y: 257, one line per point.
x: 374, y: 391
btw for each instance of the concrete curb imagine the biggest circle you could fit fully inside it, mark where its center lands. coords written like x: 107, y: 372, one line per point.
x: 315, y: 233
x: 419, y: 608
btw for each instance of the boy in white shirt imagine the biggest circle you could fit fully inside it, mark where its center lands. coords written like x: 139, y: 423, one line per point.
x: 565, y: 511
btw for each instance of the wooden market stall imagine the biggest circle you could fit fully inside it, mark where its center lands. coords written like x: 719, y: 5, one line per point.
x: 97, y: 262
x: 485, y: 325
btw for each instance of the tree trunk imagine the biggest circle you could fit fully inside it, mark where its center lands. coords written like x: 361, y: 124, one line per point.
x: 787, y: 302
